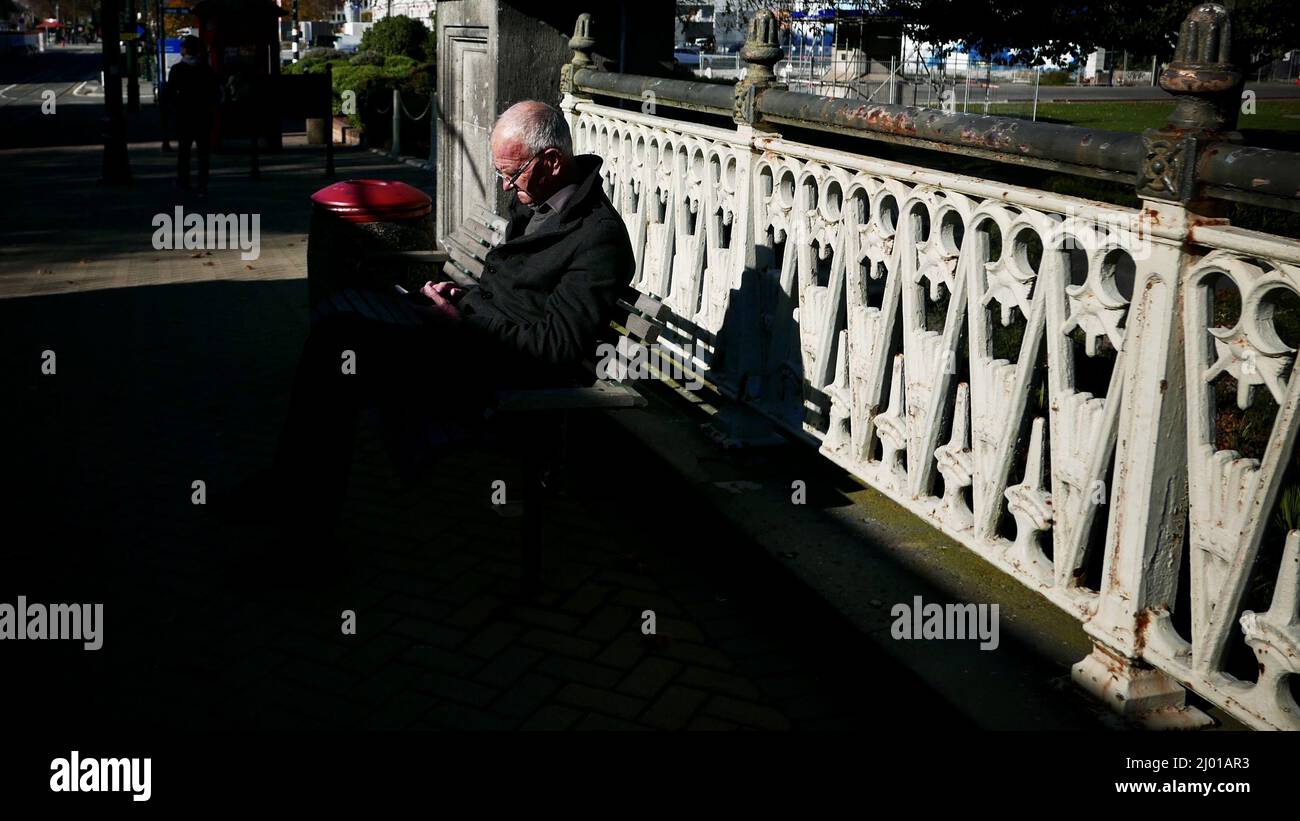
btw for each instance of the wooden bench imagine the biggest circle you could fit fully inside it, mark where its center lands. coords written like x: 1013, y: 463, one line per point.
x: 537, y: 418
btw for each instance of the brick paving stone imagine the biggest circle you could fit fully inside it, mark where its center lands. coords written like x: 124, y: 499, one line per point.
x: 320, y: 676
x: 601, y: 701
x: 611, y: 621
x: 452, y: 716
x: 492, y: 639
x: 598, y: 722
x: 553, y: 642
x: 581, y: 672
x: 697, y: 654
x: 503, y: 569
x: 526, y: 696
x: 571, y: 574
x: 708, y: 724
x: 466, y: 586
x: 675, y: 708
x: 475, y: 613
x: 373, y: 652
x: 679, y: 630
x: 640, y: 600
x: 746, y: 713
x: 587, y: 598
x: 424, y: 631
x: 538, y: 617
x: 438, y: 659
x: 509, y: 665
x: 415, y: 606
x: 624, y: 652
x: 620, y: 579
x: 715, y: 682
x: 386, y: 683
x: 456, y: 689
x: 649, y: 677
x: 399, y: 712
x: 552, y: 717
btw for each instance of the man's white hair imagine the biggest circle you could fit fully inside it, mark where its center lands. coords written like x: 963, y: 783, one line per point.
x: 537, y: 126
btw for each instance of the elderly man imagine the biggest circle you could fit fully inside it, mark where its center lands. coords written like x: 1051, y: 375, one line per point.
x: 545, y: 294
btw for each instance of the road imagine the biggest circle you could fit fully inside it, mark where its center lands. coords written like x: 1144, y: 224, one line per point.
x: 72, y: 74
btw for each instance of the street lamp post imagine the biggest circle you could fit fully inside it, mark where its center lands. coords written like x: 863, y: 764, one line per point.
x: 117, y: 167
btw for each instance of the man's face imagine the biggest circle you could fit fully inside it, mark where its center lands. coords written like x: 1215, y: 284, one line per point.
x: 533, y: 175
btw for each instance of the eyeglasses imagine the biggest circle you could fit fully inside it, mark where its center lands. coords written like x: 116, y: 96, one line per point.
x: 510, y: 181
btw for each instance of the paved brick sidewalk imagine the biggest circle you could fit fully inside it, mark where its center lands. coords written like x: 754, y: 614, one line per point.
x: 172, y: 369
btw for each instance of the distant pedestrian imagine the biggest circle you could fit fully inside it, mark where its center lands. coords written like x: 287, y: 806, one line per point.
x: 192, y: 93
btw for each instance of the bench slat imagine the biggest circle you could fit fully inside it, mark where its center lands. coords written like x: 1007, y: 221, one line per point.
x: 468, y: 244
x: 463, y: 259
x: 647, y: 304
x: 458, y: 276
x: 486, y: 217
x: 484, y: 233
x: 641, y: 329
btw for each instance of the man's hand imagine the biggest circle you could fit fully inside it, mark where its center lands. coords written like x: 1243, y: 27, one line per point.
x: 442, y: 297
x: 447, y: 290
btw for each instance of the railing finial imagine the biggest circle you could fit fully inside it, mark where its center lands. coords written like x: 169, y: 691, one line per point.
x: 1207, y: 87
x: 761, y: 51
x: 582, y: 42
x: 1202, y: 76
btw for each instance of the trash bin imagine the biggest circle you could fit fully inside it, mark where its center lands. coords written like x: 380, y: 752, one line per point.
x: 353, y: 223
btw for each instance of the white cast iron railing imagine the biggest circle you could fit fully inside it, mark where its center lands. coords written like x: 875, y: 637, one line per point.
x: 859, y: 303
x: 1040, y: 377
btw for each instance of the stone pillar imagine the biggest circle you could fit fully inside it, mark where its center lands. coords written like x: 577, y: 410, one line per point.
x: 492, y: 54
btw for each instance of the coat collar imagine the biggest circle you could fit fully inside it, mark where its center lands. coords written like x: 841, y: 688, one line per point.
x: 590, y: 187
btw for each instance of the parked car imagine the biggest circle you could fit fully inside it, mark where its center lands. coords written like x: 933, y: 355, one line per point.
x: 687, y: 56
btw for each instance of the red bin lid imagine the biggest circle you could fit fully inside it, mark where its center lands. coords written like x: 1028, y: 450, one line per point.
x: 373, y: 200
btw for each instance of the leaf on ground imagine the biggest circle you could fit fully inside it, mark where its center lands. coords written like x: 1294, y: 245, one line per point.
x: 249, y: 267
x: 44, y: 271
x: 209, y: 262
x: 196, y: 255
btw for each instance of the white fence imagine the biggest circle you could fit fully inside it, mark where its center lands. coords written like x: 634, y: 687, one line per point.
x: 1034, y: 375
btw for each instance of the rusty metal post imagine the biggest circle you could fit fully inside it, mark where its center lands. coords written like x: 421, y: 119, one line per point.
x: 761, y: 51
x: 582, y: 42
x: 1207, y: 87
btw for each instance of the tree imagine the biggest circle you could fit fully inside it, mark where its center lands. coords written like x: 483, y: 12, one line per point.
x: 313, y: 9
x: 398, y: 35
x: 1039, y: 31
